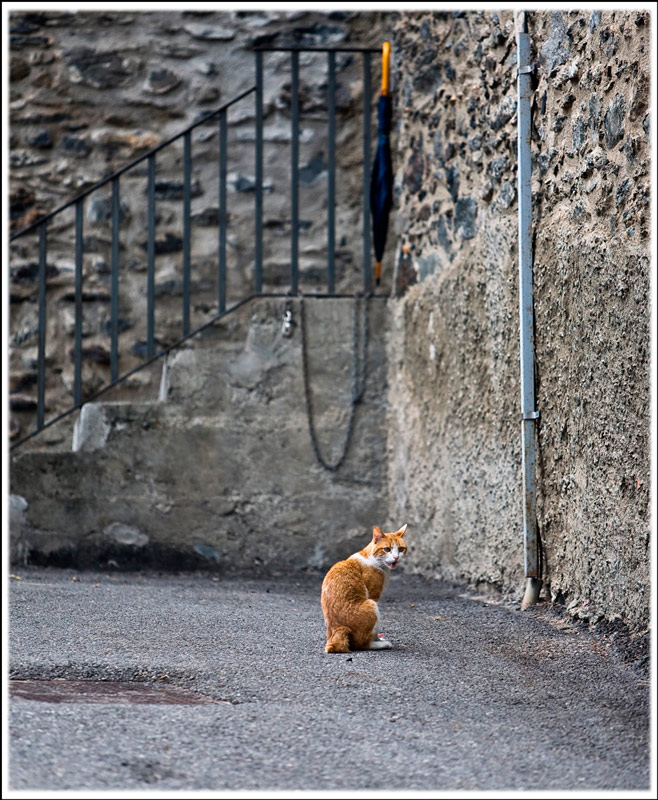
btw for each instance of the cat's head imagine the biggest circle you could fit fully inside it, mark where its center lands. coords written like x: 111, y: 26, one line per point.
x: 388, y: 548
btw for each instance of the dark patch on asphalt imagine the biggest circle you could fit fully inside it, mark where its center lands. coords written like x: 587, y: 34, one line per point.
x: 103, y: 692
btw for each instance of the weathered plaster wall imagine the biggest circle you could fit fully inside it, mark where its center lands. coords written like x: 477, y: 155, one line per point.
x: 90, y: 92
x: 454, y: 443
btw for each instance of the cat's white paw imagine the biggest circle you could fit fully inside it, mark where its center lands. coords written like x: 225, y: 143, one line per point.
x: 380, y: 644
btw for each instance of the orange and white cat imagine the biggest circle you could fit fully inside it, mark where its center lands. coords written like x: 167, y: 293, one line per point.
x: 351, y: 589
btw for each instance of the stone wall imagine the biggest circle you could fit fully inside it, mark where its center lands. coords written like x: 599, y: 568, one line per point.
x: 454, y: 435
x: 92, y: 91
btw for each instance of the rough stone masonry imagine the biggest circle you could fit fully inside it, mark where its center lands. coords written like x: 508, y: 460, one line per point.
x: 454, y: 437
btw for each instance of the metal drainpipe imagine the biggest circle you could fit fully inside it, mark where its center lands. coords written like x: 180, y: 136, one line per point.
x: 529, y: 414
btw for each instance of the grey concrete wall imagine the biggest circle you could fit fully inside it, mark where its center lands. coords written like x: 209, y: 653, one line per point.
x: 220, y: 472
x: 454, y: 443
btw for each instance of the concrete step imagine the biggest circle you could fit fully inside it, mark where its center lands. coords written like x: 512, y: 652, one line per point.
x: 220, y: 471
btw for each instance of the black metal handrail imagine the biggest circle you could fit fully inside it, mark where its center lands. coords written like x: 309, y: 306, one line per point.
x: 104, y: 181
x: 114, y: 179
x: 300, y: 48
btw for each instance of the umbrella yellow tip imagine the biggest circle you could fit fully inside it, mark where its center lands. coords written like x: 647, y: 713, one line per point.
x: 386, y: 53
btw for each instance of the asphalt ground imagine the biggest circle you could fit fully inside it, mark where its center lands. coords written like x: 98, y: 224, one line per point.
x: 476, y: 695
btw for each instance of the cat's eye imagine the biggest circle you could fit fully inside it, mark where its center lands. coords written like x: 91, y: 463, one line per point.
x: 387, y: 549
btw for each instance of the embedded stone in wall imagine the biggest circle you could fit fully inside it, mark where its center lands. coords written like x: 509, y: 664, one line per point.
x: 42, y: 140
x: 556, y: 49
x: 18, y: 69
x: 30, y: 271
x: 465, y: 222
x: 101, y: 70
x: 208, y: 94
x: 208, y: 217
x: 311, y: 172
x: 279, y: 132
x: 207, y: 551
x: 452, y: 181
x: 167, y: 243
x: 22, y: 402
x: 442, y: 233
x: 126, y: 534
x: 99, y: 209
x: 18, y: 159
x: 613, y: 121
x: 161, y: 81
x: 504, y: 112
x: 214, y: 33
x: 132, y: 140
x: 578, y: 134
x: 507, y: 195
x: 96, y: 354
x: 173, y: 190
x: 413, y: 176
x: 247, y: 183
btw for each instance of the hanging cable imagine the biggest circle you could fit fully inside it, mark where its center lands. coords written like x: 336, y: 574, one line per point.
x: 358, y: 377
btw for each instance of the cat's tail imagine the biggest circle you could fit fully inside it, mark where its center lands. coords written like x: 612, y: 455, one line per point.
x: 338, y: 641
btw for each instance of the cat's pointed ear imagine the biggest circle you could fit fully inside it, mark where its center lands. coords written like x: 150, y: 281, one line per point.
x: 402, y: 529
x: 377, y: 534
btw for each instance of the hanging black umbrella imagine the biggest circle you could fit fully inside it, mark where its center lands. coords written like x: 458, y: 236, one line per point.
x: 381, y: 180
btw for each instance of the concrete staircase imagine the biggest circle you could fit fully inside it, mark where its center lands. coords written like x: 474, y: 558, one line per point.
x: 218, y: 470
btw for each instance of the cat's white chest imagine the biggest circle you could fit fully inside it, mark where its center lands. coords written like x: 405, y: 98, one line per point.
x: 368, y: 561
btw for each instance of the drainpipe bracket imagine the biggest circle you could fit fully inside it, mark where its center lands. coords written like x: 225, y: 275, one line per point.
x: 527, y: 69
x: 530, y: 415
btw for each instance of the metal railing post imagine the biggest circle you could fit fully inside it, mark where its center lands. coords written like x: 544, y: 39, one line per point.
x: 367, y: 277
x: 114, y: 301
x: 223, y: 213
x: 41, y: 347
x: 258, y: 256
x: 187, y: 202
x: 77, y: 346
x: 331, y: 176
x: 150, y: 259
x: 294, y: 180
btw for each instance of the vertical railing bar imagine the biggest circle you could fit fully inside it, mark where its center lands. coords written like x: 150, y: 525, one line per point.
x: 187, y: 176
x: 150, y: 258
x: 294, y: 197
x: 41, y: 351
x: 114, y: 294
x: 367, y: 279
x: 258, y: 257
x: 223, y: 214
x: 331, y: 188
x: 77, y: 347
